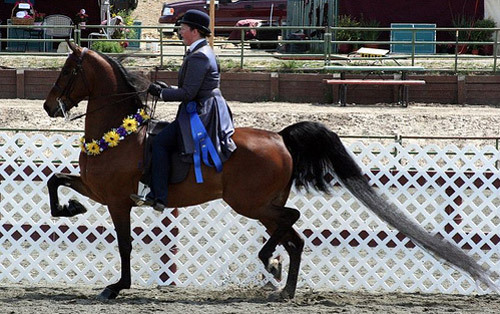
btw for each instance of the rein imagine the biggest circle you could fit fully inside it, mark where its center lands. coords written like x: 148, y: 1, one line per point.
x: 131, y: 94
x: 65, y: 92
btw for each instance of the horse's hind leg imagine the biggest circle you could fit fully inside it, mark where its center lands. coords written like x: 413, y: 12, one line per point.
x: 73, y: 207
x: 294, y: 245
x: 281, y: 231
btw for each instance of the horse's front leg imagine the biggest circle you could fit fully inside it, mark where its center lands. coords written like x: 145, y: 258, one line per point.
x: 73, y: 207
x: 120, y: 214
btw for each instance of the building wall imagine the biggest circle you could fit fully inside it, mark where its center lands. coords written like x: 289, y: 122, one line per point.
x: 439, y: 12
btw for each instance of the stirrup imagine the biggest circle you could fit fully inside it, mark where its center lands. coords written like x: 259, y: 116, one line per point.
x: 146, y: 201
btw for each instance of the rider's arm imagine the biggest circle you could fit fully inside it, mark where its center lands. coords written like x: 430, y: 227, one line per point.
x: 195, y: 72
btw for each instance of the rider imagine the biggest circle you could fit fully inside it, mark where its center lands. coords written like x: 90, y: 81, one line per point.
x: 198, y: 80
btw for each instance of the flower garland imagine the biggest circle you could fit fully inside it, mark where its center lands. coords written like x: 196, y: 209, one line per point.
x: 112, y: 138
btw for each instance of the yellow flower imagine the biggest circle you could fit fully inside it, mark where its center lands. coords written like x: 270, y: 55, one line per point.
x: 82, y: 144
x: 112, y: 138
x: 130, y: 125
x: 144, y: 115
x: 93, y: 148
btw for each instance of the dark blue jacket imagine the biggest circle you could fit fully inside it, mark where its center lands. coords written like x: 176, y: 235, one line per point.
x: 199, y: 80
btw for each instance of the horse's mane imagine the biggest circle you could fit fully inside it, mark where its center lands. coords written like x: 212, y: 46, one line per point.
x: 136, y: 81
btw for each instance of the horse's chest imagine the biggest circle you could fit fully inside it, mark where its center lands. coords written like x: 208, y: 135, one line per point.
x: 110, y: 166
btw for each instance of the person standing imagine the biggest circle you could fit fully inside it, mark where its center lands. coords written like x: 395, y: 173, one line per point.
x: 199, y: 81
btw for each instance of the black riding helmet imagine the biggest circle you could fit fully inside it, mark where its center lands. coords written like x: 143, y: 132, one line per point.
x: 197, y: 19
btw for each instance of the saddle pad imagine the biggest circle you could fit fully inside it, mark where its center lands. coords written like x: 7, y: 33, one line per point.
x: 178, y: 167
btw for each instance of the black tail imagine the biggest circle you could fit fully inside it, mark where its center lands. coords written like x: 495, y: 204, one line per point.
x: 316, y: 151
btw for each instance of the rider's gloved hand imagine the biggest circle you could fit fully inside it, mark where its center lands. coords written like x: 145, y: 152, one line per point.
x: 162, y: 84
x: 154, y: 89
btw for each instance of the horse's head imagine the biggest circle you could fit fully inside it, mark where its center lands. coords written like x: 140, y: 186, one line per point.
x: 72, y: 85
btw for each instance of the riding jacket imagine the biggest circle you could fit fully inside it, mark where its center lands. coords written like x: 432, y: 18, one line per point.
x: 199, y: 80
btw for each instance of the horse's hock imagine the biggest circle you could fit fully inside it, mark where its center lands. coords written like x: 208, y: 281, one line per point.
x: 347, y: 247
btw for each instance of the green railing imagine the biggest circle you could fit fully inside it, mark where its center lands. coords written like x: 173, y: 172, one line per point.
x: 321, y: 51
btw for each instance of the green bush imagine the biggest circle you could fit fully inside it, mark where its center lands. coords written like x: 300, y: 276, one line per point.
x: 107, y: 47
x: 462, y: 21
x: 348, y: 34
x: 484, y: 35
x: 371, y: 35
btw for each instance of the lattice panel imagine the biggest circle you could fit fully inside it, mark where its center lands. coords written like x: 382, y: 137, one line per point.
x: 449, y: 190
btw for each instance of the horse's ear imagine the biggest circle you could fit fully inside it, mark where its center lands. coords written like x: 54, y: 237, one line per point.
x: 74, y: 47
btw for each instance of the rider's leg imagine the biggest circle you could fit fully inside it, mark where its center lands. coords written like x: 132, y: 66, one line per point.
x: 164, y: 143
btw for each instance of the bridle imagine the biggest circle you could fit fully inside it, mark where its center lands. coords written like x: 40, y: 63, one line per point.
x: 66, y: 91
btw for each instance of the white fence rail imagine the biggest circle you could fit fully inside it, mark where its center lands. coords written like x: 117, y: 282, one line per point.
x: 449, y: 190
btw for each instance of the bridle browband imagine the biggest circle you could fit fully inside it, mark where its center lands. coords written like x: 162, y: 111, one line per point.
x: 66, y: 91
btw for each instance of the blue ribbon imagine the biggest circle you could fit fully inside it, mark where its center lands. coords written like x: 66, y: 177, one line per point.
x: 203, y: 146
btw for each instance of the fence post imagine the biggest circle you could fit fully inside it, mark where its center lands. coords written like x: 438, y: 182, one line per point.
x: 413, y: 40
x: 328, y: 46
x: 20, y: 83
x: 161, y: 47
x: 456, y: 52
x: 461, y: 90
x: 78, y: 34
x: 274, y: 86
x: 242, y: 42
x: 495, y: 46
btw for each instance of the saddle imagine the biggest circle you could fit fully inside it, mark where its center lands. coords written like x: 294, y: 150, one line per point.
x: 179, y: 167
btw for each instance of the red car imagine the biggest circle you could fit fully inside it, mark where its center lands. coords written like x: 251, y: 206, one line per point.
x: 227, y: 12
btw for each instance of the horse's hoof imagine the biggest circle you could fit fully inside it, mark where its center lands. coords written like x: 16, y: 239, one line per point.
x: 76, y: 208
x: 107, y: 294
x: 279, y: 296
x: 72, y: 209
x: 274, y: 268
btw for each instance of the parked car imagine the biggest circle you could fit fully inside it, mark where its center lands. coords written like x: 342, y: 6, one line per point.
x: 227, y: 12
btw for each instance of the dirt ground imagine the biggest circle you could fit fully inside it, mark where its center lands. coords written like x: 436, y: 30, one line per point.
x: 367, y: 120
x: 80, y: 299
x: 374, y: 120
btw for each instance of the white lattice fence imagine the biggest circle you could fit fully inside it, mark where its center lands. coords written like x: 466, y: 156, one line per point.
x: 449, y: 190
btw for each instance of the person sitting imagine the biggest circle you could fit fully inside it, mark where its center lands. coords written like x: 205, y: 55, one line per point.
x: 198, y: 80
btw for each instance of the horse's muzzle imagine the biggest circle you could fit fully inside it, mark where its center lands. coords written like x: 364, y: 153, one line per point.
x: 53, y: 111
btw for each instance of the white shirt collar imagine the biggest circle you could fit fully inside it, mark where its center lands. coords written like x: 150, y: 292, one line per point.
x: 193, y: 45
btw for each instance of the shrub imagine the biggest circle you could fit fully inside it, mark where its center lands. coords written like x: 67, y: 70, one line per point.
x: 107, y: 47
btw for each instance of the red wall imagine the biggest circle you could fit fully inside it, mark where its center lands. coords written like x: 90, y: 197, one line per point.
x: 440, y: 12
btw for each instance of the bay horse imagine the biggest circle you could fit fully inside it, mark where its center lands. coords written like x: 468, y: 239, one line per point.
x: 255, y: 181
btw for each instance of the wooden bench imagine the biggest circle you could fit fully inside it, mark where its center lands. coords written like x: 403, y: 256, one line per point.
x: 403, y: 83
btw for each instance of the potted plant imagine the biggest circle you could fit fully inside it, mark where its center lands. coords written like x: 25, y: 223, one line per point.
x: 483, y: 35
x: 370, y: 35
x: 347, y: 34
x: 462, y: 21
